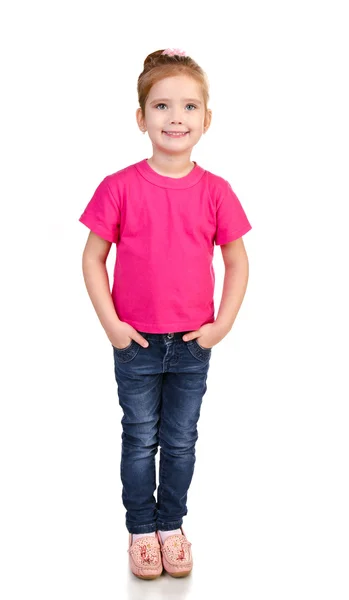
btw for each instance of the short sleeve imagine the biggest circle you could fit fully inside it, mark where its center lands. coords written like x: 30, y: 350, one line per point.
x: 102, y: 213
x: 231, y: 219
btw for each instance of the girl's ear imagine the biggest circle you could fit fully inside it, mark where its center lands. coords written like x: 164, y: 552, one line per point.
x: 140, y: 120
x: 208, y: 118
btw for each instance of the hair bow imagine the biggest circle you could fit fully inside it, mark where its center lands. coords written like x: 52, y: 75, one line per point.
x: 174, y: 51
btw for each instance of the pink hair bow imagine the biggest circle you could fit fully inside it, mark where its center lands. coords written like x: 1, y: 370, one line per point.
x: 173, y: 51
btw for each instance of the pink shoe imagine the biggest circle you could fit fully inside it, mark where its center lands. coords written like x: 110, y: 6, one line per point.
x: 176, y: 554
x: 145, y: 557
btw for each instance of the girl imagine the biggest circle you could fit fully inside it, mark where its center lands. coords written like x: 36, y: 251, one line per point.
x: 164, y: 214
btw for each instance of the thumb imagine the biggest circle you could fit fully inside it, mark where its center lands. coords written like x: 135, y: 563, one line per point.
x: 141, y: 340
x: 189, y: 336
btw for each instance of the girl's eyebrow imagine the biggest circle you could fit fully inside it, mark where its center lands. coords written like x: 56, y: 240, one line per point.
x: 183, y: 99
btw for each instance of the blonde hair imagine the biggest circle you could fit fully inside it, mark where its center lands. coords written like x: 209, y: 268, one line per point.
x: 157, y: 66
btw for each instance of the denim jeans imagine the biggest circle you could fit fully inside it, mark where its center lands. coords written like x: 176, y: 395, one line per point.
x: 160, y: 390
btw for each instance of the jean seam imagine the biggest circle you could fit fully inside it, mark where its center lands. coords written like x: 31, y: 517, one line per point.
x: 142, y: 528
x: 168, y: 526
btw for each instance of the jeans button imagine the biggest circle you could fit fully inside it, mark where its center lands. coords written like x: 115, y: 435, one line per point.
x: 170, y: 335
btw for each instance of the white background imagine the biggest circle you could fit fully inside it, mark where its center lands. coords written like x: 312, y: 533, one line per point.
x: 268, y: 505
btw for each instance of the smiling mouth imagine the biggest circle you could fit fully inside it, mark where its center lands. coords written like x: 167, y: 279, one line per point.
x: 175, y: 133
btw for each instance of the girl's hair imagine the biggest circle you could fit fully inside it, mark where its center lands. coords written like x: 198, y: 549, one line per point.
x: 157, y: 66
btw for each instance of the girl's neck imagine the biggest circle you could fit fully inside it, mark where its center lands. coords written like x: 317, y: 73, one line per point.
x: 171, y: 166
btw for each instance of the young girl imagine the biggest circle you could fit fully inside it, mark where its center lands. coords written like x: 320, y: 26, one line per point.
x: 164, y: 214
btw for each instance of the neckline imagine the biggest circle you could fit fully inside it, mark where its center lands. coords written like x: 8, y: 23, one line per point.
x: 164, y: 181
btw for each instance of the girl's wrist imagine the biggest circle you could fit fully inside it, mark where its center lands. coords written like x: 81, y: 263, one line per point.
x: 223, y: 326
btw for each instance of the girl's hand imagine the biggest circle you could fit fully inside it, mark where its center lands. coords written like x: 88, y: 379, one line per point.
x: 208, y: 335
x: 122, y: 334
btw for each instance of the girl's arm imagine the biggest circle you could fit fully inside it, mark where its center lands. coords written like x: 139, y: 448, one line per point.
x: 97, y: 282
x: 235, y: 283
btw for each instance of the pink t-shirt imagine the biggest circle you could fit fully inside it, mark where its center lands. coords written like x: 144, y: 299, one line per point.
x: 165, y: 229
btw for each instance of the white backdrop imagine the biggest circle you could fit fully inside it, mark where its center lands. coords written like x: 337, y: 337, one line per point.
x: 270, y: 489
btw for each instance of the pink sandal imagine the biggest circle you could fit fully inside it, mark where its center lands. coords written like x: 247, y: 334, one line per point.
x: 176, y: 554
x: 145, y: 557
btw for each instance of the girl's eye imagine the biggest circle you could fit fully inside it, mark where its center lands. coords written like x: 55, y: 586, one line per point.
x: 162, y: 104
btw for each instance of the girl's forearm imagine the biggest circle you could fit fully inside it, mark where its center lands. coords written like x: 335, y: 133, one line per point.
x: 234, y: 288
x: 97, y: 284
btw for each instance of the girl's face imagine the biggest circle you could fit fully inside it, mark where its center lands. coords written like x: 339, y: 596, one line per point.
x: 175, y: 104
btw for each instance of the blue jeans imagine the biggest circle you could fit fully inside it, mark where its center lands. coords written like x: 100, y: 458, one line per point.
x: 160, y: 390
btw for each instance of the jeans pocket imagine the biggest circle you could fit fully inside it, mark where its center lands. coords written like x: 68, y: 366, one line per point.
x: 198, y: 351
x: 122, y: 349
x: 202, y: 348
x: 126, y: 354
